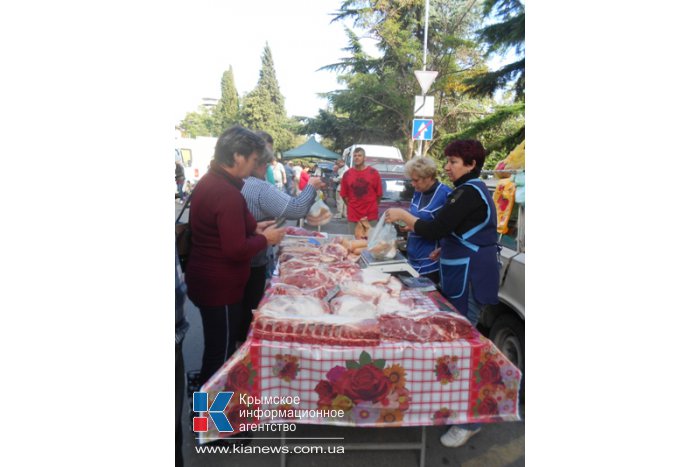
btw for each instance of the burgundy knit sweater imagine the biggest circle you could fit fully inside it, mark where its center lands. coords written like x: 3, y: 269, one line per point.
x: 223, y: 240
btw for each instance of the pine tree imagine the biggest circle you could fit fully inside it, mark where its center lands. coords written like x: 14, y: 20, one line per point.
x: 506, y: 34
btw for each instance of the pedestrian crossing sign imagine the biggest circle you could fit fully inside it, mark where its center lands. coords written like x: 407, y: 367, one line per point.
x: 422, y: 129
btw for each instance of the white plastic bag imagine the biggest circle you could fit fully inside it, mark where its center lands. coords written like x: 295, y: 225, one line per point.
x: 382, y: 240
x: 319, y: 213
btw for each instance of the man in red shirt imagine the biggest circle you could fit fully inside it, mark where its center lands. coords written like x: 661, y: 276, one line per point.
x: 361, y: 190
x: 303, y: 177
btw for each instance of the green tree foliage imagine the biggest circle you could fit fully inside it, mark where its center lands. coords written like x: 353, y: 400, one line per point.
x: 263, y: 108
x: 226, y: 112
x: 377, y: 104
x: 507, y: 34
x: 208, y: 122
x: 200, y: 123
x: 504, y: 128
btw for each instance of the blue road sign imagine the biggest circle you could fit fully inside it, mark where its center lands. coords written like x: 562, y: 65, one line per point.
x: 422, y: 129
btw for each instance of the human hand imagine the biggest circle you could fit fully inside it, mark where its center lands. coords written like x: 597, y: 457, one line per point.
x: 392, y: 215
x: 317, y: 183
x: 274, y: 235
x: 435, y: 254
x: 263, y: 225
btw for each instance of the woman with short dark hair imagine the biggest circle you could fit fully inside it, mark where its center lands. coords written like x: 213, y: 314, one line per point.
x: 466, y: 228
x: 225, y: 237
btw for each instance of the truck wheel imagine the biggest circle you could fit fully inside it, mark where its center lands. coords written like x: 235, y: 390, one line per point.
x: 508, y: 333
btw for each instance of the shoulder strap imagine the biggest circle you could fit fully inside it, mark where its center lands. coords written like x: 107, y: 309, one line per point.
x: 187, y: 204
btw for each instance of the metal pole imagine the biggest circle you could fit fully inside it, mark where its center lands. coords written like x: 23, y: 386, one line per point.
x: 425, y: 36
x: 425, y: 56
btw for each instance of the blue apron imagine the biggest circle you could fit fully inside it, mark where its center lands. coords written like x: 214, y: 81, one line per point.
x: 420, y: 248
x: 472, y: 259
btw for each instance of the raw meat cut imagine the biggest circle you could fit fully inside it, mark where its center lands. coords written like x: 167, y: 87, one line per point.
x: 337, y: 330
x: 298, y: 231
x: 368, y: 292
x: 287, y: 306
x: 428, y: 327
x: 349, y: 305
x: 294, y: 264
x: 394, y: 286
x: 334, y: 249
x: 308, y: 278
x: 390, y: 305
x: 280, y: 288
x: 340, y: 274
x: 371, y: 277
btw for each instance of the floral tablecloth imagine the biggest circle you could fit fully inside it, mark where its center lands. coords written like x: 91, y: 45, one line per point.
x: 389, y: 385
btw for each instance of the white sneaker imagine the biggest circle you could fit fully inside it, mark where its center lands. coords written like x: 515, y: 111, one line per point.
x: 456, y: 436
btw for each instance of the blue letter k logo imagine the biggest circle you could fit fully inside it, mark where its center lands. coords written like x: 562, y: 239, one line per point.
x: 216, y: 411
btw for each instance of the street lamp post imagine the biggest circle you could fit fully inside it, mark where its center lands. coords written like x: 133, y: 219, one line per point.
x: 425, y: 58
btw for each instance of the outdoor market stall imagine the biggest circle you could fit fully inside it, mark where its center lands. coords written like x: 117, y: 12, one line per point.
x: 330, y: 337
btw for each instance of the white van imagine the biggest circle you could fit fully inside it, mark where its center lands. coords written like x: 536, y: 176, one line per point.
x: 388, y: 158
x: 195, y: 155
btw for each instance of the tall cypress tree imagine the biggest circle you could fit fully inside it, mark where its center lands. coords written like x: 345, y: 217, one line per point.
x: 268, y: 80
x: 226, y: 112
x: 263, y: 108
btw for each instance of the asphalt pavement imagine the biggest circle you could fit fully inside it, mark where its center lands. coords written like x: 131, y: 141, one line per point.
x: 497, y: 445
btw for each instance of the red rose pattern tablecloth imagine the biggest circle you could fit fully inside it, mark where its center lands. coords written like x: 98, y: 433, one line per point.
x: 392, y: 384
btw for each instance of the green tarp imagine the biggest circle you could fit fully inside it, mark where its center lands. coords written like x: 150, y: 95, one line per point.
x: 311, y: 149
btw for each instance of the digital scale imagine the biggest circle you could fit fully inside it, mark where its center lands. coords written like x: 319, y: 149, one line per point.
x: 396, y: 264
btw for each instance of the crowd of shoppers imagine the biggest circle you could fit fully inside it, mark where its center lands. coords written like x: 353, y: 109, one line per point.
x: 452, y: 235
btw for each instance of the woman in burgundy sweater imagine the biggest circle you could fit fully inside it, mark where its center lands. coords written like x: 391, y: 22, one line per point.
x: 225, y: 237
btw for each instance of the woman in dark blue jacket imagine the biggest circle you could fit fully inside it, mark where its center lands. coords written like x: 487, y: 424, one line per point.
x: 430, y: 196
x: 466, y: 228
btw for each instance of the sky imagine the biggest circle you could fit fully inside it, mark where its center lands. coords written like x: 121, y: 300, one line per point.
x: 217, y: 33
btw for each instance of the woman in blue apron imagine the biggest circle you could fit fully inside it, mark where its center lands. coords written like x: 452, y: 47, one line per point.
x: 429, y: 197
x: 466, y: 229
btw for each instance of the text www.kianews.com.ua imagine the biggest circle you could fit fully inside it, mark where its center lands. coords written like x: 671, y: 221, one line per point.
x: 296, y: 449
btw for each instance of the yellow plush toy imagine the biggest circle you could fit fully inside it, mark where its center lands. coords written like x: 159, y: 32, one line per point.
x: 514, y: 161
x: 504, y: 198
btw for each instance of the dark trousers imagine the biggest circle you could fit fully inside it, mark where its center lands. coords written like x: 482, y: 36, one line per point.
x: 433, y: 276
x: 179, y: 400
x: 223, y: 326
x: 254, y: 290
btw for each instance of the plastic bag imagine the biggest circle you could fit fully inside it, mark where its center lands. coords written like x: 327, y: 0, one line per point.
x: 319, y: 213
x: 382, y: 241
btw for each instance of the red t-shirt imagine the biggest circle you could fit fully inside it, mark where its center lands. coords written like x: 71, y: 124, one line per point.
x: 362, y: 189
x: 303, y: 179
